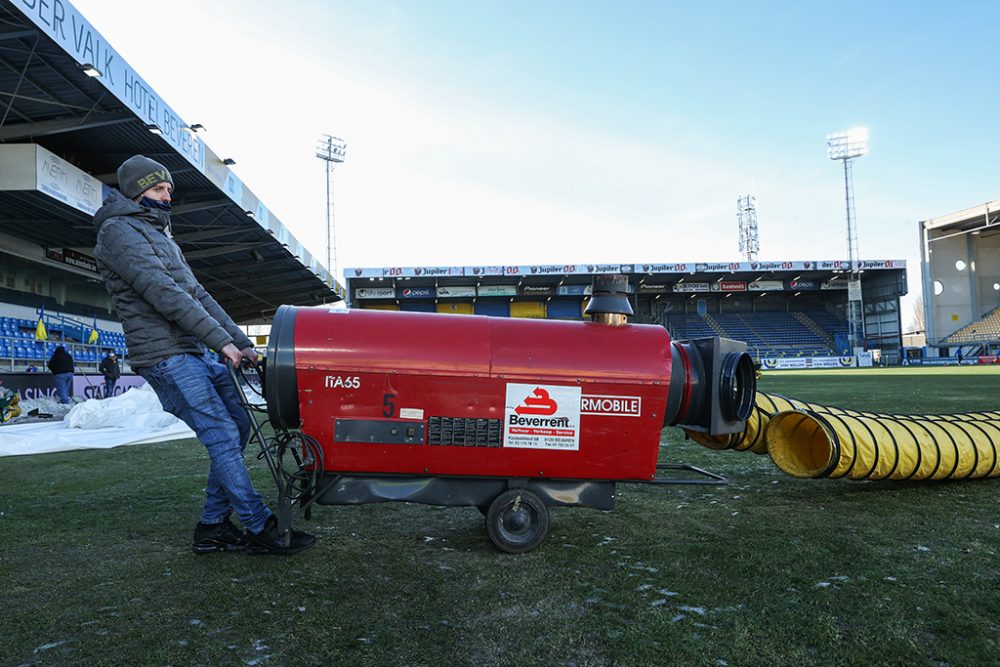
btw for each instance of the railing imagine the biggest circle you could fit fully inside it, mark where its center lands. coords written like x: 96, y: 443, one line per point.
x: 19, y: 354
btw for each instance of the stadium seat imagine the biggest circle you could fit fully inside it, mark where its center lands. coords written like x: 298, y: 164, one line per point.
x: 983, y: 331
x: 767, y: 334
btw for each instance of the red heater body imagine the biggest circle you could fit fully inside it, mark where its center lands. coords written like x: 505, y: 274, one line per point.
x: 420, y: 393
x: 508, y: 415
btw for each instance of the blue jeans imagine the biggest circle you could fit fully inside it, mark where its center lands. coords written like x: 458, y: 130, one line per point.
x: 109, y: 388
x: 63, y: 383
x: 198, y: 391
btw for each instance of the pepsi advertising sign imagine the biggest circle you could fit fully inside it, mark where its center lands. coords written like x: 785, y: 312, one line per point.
x: 415, y: 292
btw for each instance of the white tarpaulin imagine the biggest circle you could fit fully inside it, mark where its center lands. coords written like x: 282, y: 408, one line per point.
x: 133, y: 418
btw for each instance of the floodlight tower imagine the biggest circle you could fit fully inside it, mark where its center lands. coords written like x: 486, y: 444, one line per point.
x: 746, y: 215
x: 846, y: 147
x: 332, y: 150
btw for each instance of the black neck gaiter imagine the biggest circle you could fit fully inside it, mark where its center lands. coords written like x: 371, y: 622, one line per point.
x: 153, y: 203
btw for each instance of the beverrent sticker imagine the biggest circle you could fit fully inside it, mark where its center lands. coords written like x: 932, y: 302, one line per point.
x: 538, y: 416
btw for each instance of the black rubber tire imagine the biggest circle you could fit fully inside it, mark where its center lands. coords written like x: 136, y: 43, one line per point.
x: 517, y: 521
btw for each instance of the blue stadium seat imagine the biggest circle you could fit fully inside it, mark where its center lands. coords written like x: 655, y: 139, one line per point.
x: 766, y: 333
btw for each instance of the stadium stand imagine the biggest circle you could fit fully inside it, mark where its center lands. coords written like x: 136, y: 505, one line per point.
x: 982, y: 331
x: 19, y: 348
x: 768, y: 334
x: 62, y: 141
x: 793, y: 309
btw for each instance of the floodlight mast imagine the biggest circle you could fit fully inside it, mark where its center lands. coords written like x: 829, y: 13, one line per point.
x: 331, y: 150
x: 846, y: 147
x: 746, y: 216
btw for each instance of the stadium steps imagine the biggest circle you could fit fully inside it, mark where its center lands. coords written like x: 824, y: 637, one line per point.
x: 833, y: 325
x: 755, y: 330
x: 983, y: 331
x: 815, y: 328
x: 719, y: 331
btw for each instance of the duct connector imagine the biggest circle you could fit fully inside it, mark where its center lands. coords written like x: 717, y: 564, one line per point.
x: 751, y: 439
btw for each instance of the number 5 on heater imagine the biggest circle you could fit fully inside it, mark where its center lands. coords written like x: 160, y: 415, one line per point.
x: 388, y: 406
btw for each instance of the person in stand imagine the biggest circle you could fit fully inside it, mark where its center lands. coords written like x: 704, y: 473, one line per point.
x: 61, y: 365
x: 111, y: 371
x: 171, y: 325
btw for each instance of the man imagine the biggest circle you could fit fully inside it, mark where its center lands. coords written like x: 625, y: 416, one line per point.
x: 61, y: 365
x: 110, y: 370
x: 170, y: 324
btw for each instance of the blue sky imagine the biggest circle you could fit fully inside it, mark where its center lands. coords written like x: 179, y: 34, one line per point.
x: 569, y: 132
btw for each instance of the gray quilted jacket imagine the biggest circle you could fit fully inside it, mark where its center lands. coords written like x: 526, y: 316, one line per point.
x: 163, y: 308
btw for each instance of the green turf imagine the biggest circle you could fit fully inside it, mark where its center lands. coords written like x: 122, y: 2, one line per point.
x: 766, y: 570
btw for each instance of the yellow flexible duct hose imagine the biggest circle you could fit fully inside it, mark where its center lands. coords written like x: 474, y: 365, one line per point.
x: 812, y: 440
x: 813, y: 443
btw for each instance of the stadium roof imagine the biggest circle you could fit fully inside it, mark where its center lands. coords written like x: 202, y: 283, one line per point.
x: 241, y: 253
x: 687, y: 277
x: 756, y: 270
x: 974, y: 219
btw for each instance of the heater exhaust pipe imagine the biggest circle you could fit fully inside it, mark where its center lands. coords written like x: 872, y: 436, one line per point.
x: 609, y: 302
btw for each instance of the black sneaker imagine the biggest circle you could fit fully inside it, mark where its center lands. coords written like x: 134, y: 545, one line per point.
x: 267, y: 541
x: 218, y: 537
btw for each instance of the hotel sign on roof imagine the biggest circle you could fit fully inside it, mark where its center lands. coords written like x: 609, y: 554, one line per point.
x: 66, y: 25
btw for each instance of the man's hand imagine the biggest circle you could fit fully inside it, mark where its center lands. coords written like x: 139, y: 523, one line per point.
x: 230, y: 352
x: 249, y: 354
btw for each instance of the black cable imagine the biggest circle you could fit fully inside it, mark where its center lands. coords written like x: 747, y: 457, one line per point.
x: 300, y: 473
x: 239, y: 371
x: 306, y: 458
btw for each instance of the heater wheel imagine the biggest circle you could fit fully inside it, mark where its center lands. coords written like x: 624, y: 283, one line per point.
x: 517, y: 521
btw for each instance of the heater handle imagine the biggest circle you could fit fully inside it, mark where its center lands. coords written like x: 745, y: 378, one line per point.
x: 284, y: 513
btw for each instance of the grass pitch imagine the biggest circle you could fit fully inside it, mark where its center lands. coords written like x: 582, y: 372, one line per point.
x: 95, y: 567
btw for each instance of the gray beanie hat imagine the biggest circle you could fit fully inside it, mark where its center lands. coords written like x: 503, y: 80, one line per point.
x: 139, y: 173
